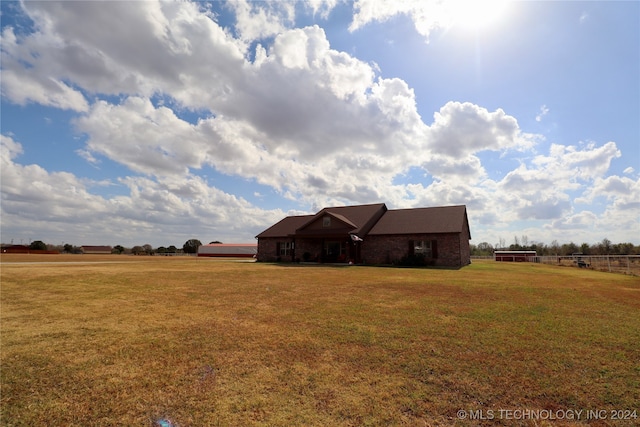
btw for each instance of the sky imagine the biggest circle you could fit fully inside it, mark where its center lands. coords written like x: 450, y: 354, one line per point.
x: 143, y: 122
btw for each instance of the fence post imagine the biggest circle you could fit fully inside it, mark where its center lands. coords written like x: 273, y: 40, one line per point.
x: 609, y: 263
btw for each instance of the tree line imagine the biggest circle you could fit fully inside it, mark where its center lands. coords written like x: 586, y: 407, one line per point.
x: 522, y: 243
x: 605, y: 247
x: 189, y: 247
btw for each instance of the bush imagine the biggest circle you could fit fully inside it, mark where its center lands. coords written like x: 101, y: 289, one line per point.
x: 414, y: 260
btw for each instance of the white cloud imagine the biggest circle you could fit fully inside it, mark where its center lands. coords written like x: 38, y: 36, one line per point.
x: 586, y: 164
x: 622, y: 191
x: 317, y: 125
x: 465, y: 128
x: 256, y: 21
x: 544, y: 110
x: 9, y: 148
x: 542, y: 189
x: 60, y: 205
x: 427, y: 15
x: 143, y: 138
x: 322, y: 7
x: 113, y: 48
x: 23, y: 82
x: 584, y: 17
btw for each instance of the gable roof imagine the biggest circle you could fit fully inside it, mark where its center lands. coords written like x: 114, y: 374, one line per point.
x: 374, y: 219
x: 445, y: 219
x: 285, y: 227
x: 356, y: 219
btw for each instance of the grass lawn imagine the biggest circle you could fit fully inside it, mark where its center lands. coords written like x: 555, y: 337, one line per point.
x: 200, y: 342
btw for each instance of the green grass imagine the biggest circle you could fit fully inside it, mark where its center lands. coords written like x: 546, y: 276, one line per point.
x: 204, y: 342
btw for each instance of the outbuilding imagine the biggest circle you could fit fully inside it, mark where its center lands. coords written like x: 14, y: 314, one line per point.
x: 515, y: 256
x: 97, y: 250
x: 370, y: 234
x: 229, y: 250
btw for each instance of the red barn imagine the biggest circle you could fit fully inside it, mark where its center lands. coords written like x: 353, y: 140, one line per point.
x: 515, y: 256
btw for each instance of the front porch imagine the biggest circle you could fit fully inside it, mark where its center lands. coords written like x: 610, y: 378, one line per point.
x: 328, y: 250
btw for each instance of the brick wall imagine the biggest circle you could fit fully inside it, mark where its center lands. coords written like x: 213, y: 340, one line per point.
x: 313, y: 247
x: 453, y: 250
x: 465, y: 249
x: 268, y: 249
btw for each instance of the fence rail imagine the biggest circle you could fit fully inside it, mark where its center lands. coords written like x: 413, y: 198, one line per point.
x: 627, y: 264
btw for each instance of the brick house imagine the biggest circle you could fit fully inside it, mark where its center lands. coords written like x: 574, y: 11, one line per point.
x: 370, y: 234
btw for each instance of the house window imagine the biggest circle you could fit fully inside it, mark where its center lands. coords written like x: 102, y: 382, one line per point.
x: 285, y: 248
x: 326, y: 221
x: 422, y: 247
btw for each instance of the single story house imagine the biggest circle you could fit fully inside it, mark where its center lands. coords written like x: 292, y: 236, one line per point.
x: 370, y: 234
x: 233, y: 250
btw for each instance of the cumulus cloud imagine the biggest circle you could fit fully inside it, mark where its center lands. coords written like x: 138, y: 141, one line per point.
x: 427, y: 15
x: 317, y: 125
x: 265, y: 19
x: 118, y: 47
x: 588, y: 163
x: 35, y: 200
x: 542, y: 189
x: 464, y: 128
x: 623, y: 191
x: 143, y: 138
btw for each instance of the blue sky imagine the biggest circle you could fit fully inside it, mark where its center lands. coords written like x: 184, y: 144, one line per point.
x: 152, y: 123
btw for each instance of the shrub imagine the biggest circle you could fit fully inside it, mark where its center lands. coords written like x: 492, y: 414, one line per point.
x: 413, y: 260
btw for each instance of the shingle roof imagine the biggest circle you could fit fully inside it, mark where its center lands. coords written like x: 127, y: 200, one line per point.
x: 359, y: 218
x: 375, y: 219
x: 446, y: 219
x: 285, y: 227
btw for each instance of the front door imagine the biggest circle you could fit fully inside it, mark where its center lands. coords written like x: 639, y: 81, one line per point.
x: 335, y: 251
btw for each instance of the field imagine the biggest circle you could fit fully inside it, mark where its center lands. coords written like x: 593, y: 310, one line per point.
x: 140, y: 341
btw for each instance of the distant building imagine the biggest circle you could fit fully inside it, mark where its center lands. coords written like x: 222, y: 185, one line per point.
x: 96, y: 250
x: 515, y: 256
x: 228, y: 250
x: 370, y: 234
x: 23, y: 249
x: 15, y: 249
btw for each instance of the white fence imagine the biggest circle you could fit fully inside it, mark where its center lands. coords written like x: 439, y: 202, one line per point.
x: 627, y: 264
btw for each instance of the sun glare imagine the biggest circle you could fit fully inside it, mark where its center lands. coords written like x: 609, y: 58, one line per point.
x: 477, y: 14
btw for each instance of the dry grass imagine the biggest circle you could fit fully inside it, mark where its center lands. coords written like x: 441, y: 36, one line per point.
x: 203, y: 342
